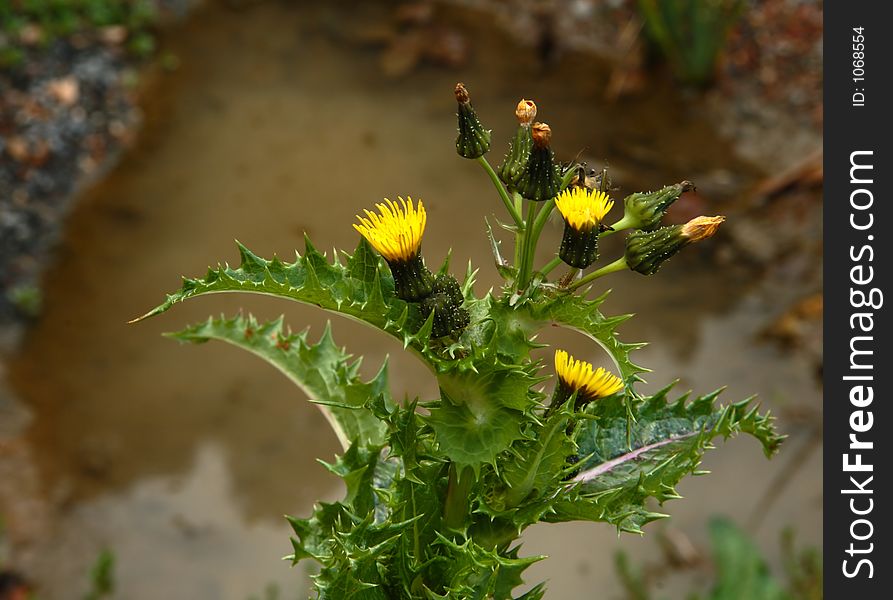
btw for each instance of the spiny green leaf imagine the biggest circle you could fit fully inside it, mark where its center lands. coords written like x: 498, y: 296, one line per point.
x: 322, y: 370
x: 540, y: 462
x: 474, y: 435
x: 668, y: 441
x: 362, y: 289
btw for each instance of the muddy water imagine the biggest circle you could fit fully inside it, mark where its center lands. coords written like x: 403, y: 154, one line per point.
x: 183, y: 459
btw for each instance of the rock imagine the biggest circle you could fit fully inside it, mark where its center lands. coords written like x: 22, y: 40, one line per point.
x: 65, y: 91
x: 113, y: 35
x: 17, y: 148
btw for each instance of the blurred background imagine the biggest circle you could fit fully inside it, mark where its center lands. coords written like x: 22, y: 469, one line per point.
x: 138, y: 138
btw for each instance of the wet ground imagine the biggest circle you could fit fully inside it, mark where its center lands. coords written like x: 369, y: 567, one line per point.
x: 182, y: 460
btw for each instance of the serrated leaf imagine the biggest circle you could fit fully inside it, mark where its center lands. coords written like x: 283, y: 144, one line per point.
x: 539, y: 463
x: 322, y: 370
x: 474, y: 436
x: 668, y: 442
x: 362, y: 289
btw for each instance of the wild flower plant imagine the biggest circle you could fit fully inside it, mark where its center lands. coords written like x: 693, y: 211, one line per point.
x: 440, y: 489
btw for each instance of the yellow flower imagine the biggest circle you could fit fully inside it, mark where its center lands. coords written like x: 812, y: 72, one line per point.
x: 583, y: 208
x: 578, y: 376
x: 397, y: 231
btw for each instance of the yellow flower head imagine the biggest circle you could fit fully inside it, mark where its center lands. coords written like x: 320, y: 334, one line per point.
x: 579, y: 376
x: 583, y: 208
x: 397, y: 231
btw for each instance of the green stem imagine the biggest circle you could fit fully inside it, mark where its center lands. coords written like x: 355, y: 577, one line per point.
x: 503, y: 193
x: 535, y: 223
x: 617, y: 265
x: 519, y: 206
x: 625, y: 223
x: 529, y: 247
x: 541, y: 220
x: 455, y: 509
x: 533, y: 236
x: 550, y: 265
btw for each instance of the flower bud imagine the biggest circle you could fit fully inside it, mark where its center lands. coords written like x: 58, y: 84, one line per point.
x: 473, y: 140
x: 644, y: 210
x: 512, y: 168
x: 526, y: 112
x: 646, y: 251
x: 445, y: 302
x: 541, y: 179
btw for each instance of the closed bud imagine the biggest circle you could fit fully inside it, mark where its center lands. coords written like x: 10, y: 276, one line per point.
x: 526, y: 112
x: 473, y: 140
x: 541, y: 179
x: 646, y: 251
x: 445, y: 302
x: 701, y: 228
x: 644, y: 210
x: 512, y: 168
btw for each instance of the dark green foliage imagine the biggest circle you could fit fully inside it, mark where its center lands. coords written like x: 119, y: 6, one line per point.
x: 61, y: 18
x: 690, y: 34
x: 102, y: 582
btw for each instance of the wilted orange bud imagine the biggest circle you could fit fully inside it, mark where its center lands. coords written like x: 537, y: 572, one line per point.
x: 462, y: 96
x: 526, y: 112
x: 542, y: 135
x: 701, y: 228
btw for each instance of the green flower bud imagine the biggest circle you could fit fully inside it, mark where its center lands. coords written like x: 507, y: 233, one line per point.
x: 644, y: 210
x: 646, y: 251
x: 473, y: 140
x: 541, y: 179
x: 512, y: 168
x: 445, y: 302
